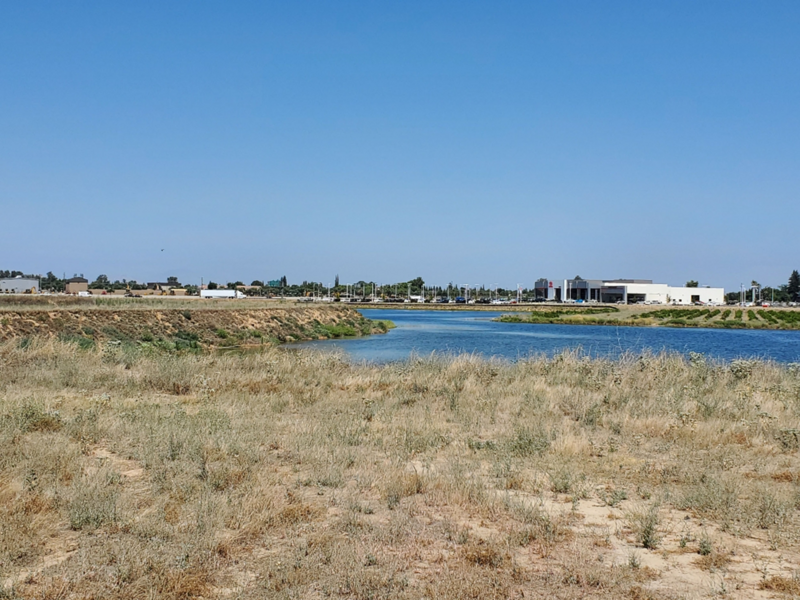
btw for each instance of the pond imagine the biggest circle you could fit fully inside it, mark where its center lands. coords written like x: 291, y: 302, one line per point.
x: 424, y: 332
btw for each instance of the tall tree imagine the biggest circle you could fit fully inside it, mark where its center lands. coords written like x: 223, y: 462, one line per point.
x: 692, y: 283
x: 794, y: 286
x: 416, y: 284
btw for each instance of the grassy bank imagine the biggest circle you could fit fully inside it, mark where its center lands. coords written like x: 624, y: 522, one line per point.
x: 203, y: 326
x: 643, y: 316
x: 59, y: 302
x: 285, y: 474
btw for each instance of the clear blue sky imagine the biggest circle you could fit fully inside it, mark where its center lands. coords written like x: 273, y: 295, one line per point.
x: 480, y: 142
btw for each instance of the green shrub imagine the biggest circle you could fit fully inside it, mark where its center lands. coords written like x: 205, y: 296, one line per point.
x: 645, y: 525
x: 527, y: 442
x: 338, y: 331
x: 82, y: 342
x: 113, y: 333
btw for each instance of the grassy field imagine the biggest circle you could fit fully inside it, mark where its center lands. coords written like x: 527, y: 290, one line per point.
x: 714, y: 317
x: 286, y: 474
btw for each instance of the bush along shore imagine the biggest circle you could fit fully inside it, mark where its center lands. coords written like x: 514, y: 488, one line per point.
x: 134, y: 474
x: 185, y: 328
x: 717, y: 317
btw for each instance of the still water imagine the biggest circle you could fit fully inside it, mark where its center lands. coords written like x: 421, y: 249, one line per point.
x: 423, y: 332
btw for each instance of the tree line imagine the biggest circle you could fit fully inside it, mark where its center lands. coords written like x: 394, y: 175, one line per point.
x: 789, y: 292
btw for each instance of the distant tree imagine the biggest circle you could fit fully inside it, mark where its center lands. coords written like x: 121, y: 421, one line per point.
x: 257, y: 283
x: 416, y: 284
x: 173, y: 281
x: 778, y: 294
x: 212, y: 285
x: 100, y: 283
x: 754, y: 283
x: 52, y: 283
x: 336, y: 281
x: 284, y: 283
x: 577, y: 278
x: 794, y: 286
x: 692, y: 283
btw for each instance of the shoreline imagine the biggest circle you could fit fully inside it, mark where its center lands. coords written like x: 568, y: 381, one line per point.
x: 688, y: 317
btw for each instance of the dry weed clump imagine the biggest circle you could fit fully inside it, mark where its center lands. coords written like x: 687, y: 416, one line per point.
x: 297, y: 474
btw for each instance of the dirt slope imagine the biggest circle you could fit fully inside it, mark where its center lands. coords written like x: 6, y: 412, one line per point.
x: 205, y: 326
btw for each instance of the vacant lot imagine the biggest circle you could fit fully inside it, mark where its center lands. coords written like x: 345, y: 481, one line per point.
x: 134, y: 473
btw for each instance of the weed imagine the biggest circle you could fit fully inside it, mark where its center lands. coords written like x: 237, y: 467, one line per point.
x: 645, y: 525
x: 706, y: 546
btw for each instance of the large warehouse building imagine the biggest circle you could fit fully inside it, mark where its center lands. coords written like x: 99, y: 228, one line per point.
x: 628, y: 291
x: 19, y: 285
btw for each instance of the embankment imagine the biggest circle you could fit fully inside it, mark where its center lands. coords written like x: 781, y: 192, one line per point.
x: 189, y: 327
x: 634, y: 316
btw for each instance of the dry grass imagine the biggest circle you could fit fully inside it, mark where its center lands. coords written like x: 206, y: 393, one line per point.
x: 296, y: 474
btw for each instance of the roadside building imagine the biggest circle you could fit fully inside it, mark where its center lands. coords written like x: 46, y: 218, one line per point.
x: 626, y: 291
x: 76, y: 285
x: 545, y: 289
x: 691, y: 295
x: 19, y: 285
x: 158, y: 286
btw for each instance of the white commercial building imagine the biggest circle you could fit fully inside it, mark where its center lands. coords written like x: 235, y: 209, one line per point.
x: 627, y: 291
x: 19, y: 285
x: 690, y: 295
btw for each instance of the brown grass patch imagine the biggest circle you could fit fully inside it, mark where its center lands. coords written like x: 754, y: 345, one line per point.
x: 784, y: 585
x: 713, y: 561
x: 784, y: 476
x: 484, y: 553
